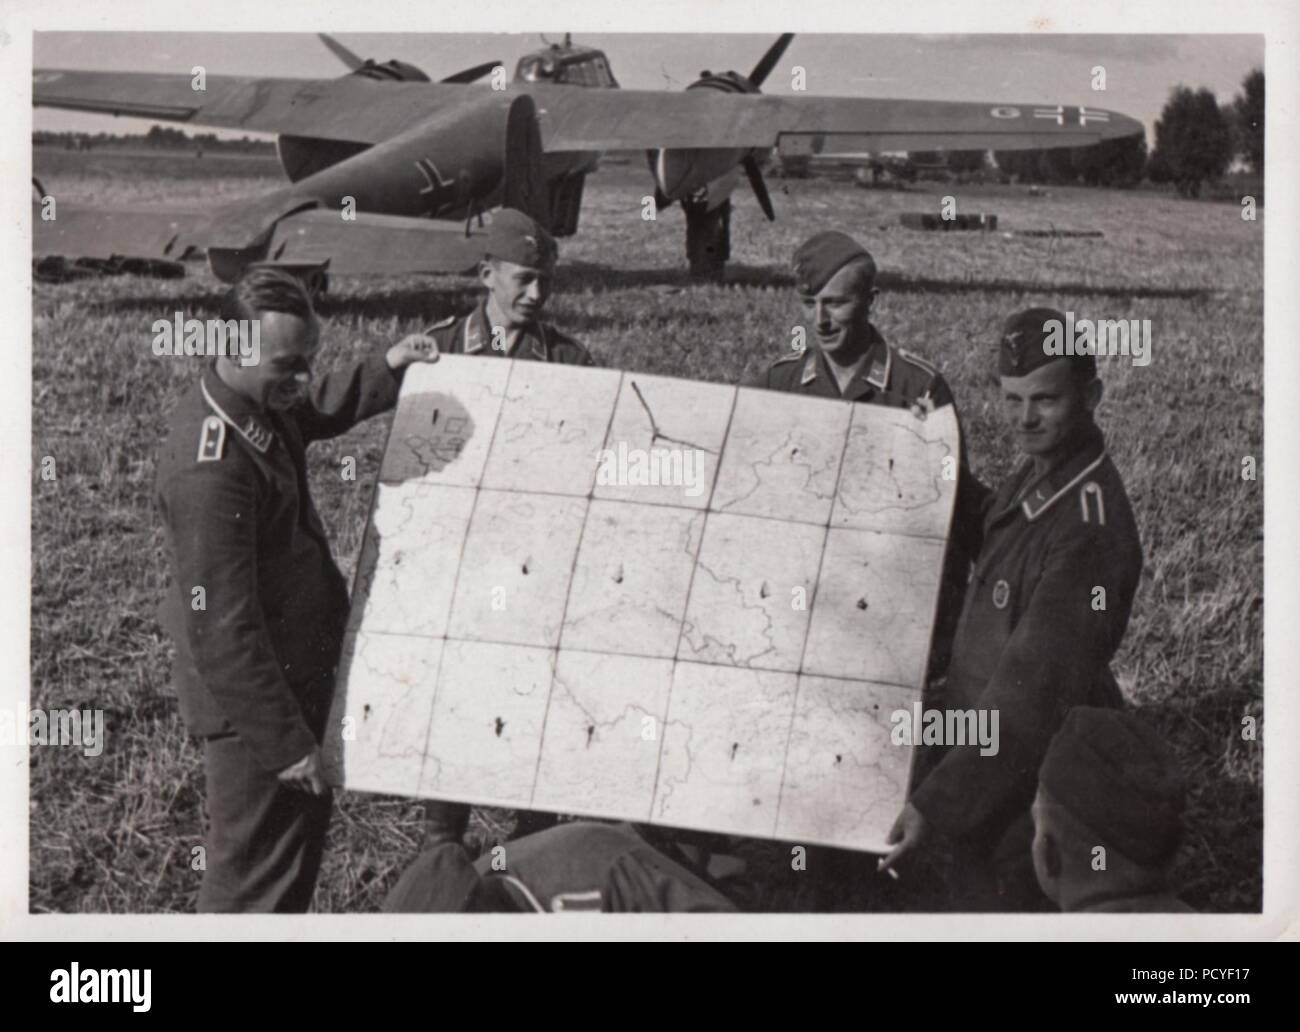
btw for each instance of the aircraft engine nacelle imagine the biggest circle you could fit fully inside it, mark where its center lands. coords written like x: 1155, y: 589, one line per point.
x: 463, y: 159
x: 681, y: 172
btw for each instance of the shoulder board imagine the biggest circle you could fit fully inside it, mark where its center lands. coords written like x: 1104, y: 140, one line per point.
x: 557, y: 337
x: 212, y: 440
x: 442, y: 324
x: 794, y: 356
x: 563, y: 340
x: 1092, y: 503
x: 917, y: 360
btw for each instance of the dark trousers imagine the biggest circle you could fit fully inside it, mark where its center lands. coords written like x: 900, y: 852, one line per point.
x: 264, y: 841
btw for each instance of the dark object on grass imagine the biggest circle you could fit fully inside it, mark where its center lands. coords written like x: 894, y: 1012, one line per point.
x: 915, y: 220
x: 56, y: 268
x: 1088, y: 234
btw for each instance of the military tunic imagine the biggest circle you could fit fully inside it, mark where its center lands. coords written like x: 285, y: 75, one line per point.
x: 256, y: 610
x: 1045, y: 609
x: 471, y: 334
x: 582, y: 865
x: 892, y: 377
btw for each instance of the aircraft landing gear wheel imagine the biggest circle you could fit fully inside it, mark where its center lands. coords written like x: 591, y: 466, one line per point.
x: 708, y: 239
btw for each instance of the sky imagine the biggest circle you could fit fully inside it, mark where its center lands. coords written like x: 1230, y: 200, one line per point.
x: 1140, y: 70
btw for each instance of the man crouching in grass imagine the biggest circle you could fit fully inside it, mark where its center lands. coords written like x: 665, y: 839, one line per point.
x: 257, y: 606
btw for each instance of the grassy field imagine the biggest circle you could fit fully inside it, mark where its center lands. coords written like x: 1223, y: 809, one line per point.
x: 115, y: 832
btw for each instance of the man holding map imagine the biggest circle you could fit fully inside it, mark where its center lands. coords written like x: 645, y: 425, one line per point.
x: 257, y: 606
x: 844, y: 356
x: 1044, y: 613
x: 517, y: 271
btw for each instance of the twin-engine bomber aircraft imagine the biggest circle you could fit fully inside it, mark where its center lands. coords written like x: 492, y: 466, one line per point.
x: 418, y: 159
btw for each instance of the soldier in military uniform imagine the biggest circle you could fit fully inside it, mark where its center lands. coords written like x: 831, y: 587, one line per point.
x: 844, y: 356
x: 1044, y: 612
x: 256, y: 607
x: 581, y: 865
x: 1109, y: 790
x: 517, y: 271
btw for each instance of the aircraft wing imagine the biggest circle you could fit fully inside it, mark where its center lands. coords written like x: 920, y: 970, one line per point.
x: 375, y: 245
x: 579, y: 119
x: 369, y: 245
x: 633, y: 119
x: 84, y: 231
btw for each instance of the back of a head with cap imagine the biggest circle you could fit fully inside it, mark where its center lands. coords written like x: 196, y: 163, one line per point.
x: 1118, y: 778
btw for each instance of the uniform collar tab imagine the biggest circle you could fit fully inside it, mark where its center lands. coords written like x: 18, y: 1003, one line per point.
x: 247, y: 420
x: 539, y: 344
x: 476, y: 332
x: 1057, y: 482
x: 878, y: 370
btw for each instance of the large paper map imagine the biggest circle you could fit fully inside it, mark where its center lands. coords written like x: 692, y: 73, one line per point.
x: 618, y: 595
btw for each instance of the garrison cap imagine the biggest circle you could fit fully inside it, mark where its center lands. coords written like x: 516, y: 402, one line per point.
x: 514, y: 237
x: 1024, y: 345
x: 821, y: 256
x: 1117, y: 776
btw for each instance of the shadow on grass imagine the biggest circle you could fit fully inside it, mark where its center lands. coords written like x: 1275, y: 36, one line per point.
x: 444, y: 295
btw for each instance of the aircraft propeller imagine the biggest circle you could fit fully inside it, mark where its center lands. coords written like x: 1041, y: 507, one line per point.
x: 768, y: 61
x: 404, y: 71
x: 759, y: 73
x: 734, y: 82
x: 340, y: 51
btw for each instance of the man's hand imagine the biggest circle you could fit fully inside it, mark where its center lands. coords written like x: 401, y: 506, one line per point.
x: 414, y: 348
x: 908, y: 831
x: 305, y: 774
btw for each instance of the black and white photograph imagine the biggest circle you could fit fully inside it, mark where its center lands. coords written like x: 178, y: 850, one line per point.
x: 634, y: 467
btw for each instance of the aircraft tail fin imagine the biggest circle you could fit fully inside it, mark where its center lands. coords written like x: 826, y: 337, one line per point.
x: 522, y: 186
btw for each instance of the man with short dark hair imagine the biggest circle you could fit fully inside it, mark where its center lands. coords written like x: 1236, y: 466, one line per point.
x: 1108, y: 816
x: 257, y: 606
x: 1044, y: 612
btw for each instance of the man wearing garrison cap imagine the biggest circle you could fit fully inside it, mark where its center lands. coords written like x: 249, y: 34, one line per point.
x: 1108, y: 816
x: 844, y: 356
x: 840, y: 354
x: 517, y: 269
x: 1045, y: 609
